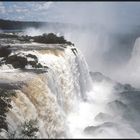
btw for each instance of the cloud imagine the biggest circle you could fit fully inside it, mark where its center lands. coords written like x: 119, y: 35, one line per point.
x: 2, y: 8
x: 14, y: 11
x: 19, y: 10
x: 21, y: 17
x: 26, y: 10
x: 39, y: 6
x: 45, y: 6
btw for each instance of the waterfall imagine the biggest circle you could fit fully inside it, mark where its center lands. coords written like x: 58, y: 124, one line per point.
x: 51, y: 96
x: 58, y: 99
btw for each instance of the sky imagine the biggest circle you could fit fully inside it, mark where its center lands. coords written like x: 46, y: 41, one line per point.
x: 77, y: 12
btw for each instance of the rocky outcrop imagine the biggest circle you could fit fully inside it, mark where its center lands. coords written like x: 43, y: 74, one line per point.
x: 18, y: 61
x: 99, y: 128
x: 4, y: 51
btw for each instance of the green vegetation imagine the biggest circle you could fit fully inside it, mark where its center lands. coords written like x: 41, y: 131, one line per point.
x: 26, y: 130
x: 29, y: 129
x: 51, y: 38
x: 20, y: 25
x: 5, y: 100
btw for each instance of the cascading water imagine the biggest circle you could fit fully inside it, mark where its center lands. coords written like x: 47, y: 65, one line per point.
x: 51, y: 96
x: 62, y: 97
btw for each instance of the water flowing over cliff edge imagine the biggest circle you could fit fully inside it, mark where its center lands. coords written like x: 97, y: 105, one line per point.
x: 47, y: 94
x: 54, y: 95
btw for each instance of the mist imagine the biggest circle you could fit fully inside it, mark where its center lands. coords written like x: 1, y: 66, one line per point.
x: 105, y: 32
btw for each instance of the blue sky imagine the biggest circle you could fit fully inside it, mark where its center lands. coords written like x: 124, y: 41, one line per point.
x: 75, y: 12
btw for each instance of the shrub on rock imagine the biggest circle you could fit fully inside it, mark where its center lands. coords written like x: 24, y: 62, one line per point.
x: 51, y: 38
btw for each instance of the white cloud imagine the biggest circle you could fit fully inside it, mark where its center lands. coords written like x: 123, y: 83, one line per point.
x: 45, y: 5
x: 14, y: 8
x: 28, y: 10
x: 21, y: 10
x: 2, y: 8
x: 21, y: 17
x: 18, y: 8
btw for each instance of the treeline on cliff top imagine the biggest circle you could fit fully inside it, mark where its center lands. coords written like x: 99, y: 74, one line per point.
x: 20, y: 25
x: 49, y: 38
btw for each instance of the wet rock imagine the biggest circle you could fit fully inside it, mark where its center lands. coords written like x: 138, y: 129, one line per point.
x: 4, y: 51
x: 128, y: 87
x: 74, y: 50
x: 32, y: 56
x: 117, y: 106
x: 21, y: 62
x: 103, y: 117
x: 99, y: 77
x: 17, y: 61
x: 91, y: 130
x: 10, y: 86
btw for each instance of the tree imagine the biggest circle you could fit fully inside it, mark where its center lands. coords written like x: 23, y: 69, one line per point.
x: 29, y: 129
x: 26, y: 130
